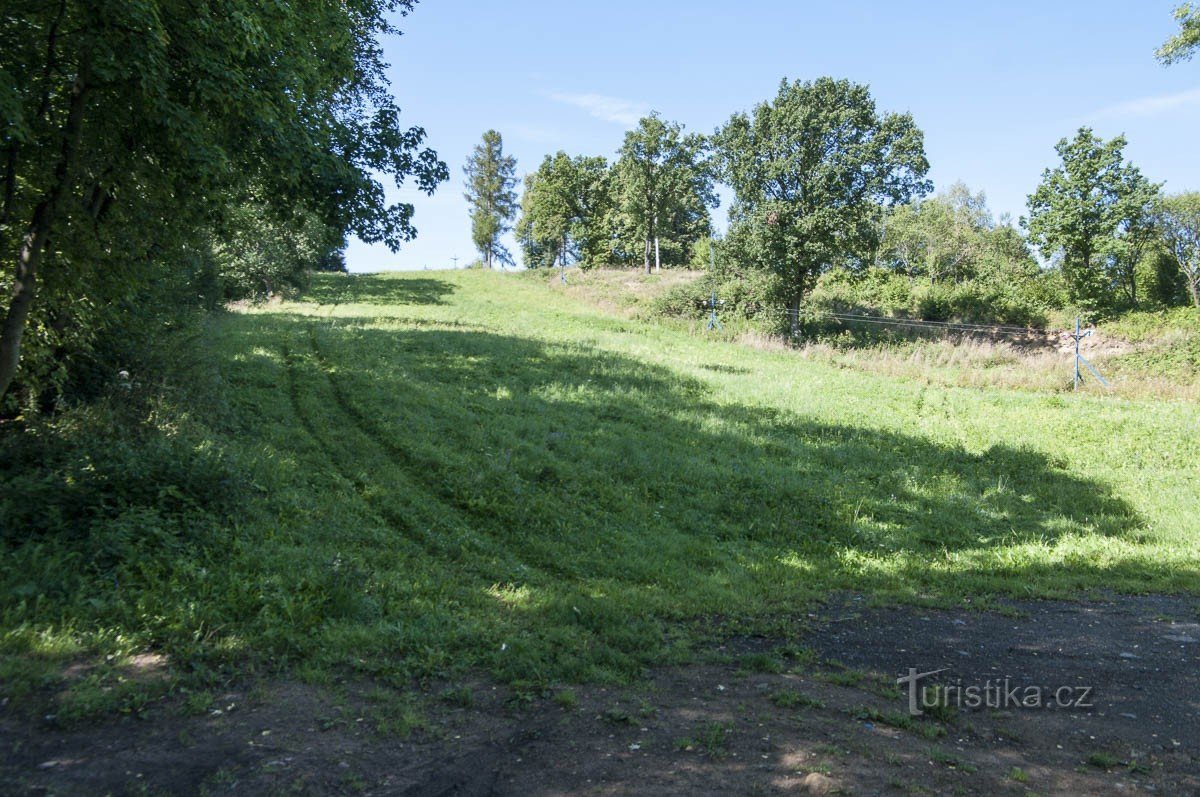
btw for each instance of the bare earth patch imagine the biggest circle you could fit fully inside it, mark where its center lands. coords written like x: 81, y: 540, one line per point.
x: 817, y: 714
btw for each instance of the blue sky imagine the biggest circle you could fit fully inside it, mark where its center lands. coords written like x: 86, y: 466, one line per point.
x: 993, y: 85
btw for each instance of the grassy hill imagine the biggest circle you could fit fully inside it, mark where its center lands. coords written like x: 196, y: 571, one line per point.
x: 410, y: 475
x: 1150, y: 354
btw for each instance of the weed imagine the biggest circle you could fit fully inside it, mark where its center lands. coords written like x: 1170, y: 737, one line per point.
x: 946, y: 758
x: 1103, y: 760
x: 460, y: 697
x: 791, y: 698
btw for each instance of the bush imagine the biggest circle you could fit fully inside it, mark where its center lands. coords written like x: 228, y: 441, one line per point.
x: 745, y: 297
x: 876, y: 291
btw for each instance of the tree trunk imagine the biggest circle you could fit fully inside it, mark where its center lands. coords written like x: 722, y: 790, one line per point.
x: 657, y: 260
x: 793, y: 311
x: 646, y: 256
x: 24, y: 289
x: 1194, y: 290
x: 34, y: 244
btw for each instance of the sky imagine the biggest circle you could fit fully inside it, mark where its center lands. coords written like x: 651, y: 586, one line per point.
x: 993, y: 86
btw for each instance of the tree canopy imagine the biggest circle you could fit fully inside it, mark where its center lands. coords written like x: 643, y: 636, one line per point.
x: 812, y: 171
x: 131, y: 125
x: 565, y: 210
x: 663, y: 187
x: 1182, y: 45
x: 1179, y: 223
x: 491, y: 180
x: 1095, y: 212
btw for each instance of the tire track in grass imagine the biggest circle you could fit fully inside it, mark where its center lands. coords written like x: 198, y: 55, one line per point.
x: 419, y: 543
x: 397, y: 524
x: 415, y: 472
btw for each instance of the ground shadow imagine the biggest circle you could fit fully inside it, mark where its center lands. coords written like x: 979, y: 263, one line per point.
x: 441, y: 498
x: 373, y: 289
x: 513, y: 434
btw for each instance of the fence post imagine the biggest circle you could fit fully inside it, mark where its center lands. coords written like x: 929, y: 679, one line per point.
x: 1079, y: 358
x: 1078, y: 337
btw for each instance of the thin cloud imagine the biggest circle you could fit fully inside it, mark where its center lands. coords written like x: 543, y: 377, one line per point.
x: 1147, y: 106
x: 610, y: 109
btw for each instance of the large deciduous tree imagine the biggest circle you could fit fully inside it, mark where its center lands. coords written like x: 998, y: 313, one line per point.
x: 812, y: 171
x: 565, y: 210
x: 1179, y: 225
x: 128, y: 125
x: 1095, y: 212
x: 663, y: 187
x: 491, y: 180
x: 1184, y: 44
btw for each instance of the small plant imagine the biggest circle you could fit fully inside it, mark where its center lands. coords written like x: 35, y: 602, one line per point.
x: 197, y: 703
x: 567, y: 699
x: 462, y: 697
x: 937, y: 706
x: 523, y: 693
x: 892, y: 718
x: 848, y: 678
x: 948, y: 759
x: 1102, y: 760
x: 791, y: 698
x: 619, y: 716
x: 761, y: 662
x: 1019, y: 775
x: 712, y: 738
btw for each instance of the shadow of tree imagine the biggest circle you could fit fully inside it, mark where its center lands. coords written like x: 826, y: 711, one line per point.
x: 595, y: 495
x: 373, y: 289
x: 437, y: 497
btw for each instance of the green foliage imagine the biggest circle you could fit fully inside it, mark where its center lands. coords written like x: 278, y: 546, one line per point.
x: 491, y: 177
x: 131, y: 126
x: 953, y: 238
x: 793, y: 698
x: 877, y: 291
x: 812, y: 171
x: 663, y: 191
x: 1179, y: 223
x: 748, y: 298
x: 1094, y: 212
x: 565, y: 212
x: 1182, y: 45
x: 257, y: 254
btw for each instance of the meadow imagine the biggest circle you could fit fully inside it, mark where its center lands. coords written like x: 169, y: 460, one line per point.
x: 415, y: 476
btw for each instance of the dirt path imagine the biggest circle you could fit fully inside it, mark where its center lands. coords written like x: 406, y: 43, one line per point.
x: 760, y: 716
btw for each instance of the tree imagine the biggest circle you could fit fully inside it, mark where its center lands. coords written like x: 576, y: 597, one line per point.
x: 1096, y: 213
x: 1182, y: 45
x: 491, y: 179
x: 663, y: 189
x: 1179, y: 224
x: 565, y: 210
x: 123, y: 119
x: 812, y: 171
x: 259, y: 252
x: 943, y: 238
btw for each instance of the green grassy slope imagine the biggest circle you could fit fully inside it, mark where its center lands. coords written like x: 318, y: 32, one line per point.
x: 469, y: 469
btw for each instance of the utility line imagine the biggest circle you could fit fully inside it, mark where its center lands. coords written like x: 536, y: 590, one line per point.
x: 951, y: 326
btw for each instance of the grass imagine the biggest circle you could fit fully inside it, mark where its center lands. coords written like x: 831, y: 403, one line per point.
x: 711, y: 739
x: 792, y: 698
x: 409, y: 477
x: 1144, y: 355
